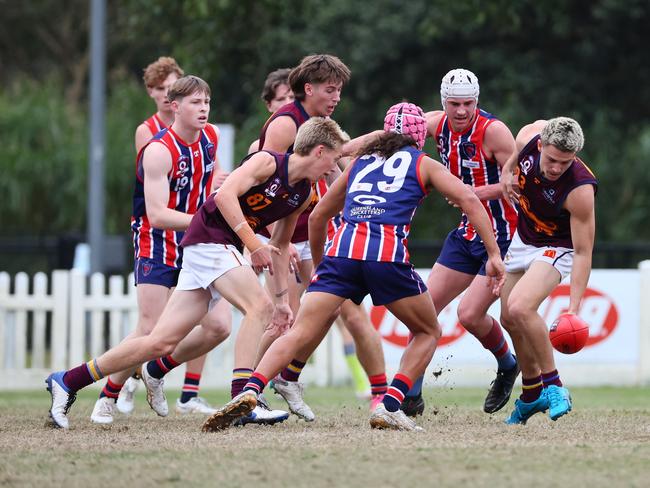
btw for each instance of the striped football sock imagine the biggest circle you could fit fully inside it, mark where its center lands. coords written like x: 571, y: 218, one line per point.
x: 396, y: 392
x: 256, y: 383
x: 531, y: 389
x: 111, y: 390
x: 292, y: 372
x: 190, y: 387
x: 83, y: 375
x: 378, y: 384
x: 161, y: 366
x: 551, y: 378
x: 496, y: 343
x: 240, y: 377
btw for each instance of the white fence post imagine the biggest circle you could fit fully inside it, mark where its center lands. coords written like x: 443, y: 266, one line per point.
x: 644, y: 325
x: 40, y: 315
x: 77, y: 318
x: 20, y: 324
x: 59, y: 335
x: 95, y: 304
x: 4, y: 300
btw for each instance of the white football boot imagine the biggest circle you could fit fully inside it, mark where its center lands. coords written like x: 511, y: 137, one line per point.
x: 62, y: 399
x: 126, y: 398
x: 383, y: 419
x: 194, y: 405
x: 103, y: 411
x: 238, y: 407
x: 155, y: 392
x: 292, y: 391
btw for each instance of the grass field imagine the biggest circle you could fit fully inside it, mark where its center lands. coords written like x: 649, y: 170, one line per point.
x: 604, y: 442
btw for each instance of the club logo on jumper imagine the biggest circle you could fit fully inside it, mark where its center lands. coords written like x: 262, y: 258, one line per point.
x: 183, y: 164
x: 467, y: 150
x: 272, y: 189
x: 549, y: 195
x: 210, y: 149
x: 294, y: 201
x: 369, y: 199
x: 526, y: 164
x: 596, y: 309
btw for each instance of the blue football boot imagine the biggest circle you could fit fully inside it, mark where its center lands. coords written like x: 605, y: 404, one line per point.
x: 559, y: 401
x: 523, y: 411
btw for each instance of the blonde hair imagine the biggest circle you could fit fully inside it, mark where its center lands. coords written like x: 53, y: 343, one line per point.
x: 316, y: 131
x: 159, y: 70
x: 186, y: 86
x: 563, y: 133
x: 317, y: 68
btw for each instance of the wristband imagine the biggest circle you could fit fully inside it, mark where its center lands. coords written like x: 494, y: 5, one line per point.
x: 247, y: 236
x: 282, y: 293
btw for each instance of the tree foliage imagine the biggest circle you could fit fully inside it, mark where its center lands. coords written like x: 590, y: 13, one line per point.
x: 585, y: 59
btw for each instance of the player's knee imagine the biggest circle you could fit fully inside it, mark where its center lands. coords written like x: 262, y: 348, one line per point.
x: 161, y: 346
x: 431, y: 329
x: 145, y: 325
x: 217, y: 329
x: 518, y: 313
x: 436, y: 331
x: 469, y: 317
x: 262, y: 309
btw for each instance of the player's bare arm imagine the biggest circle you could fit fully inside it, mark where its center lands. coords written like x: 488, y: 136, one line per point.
x: 142, y: 136
x: 351, y: 147
x: 219, y: 175
x: 253, y: 172
x: 280, y: 134
x: 436, y: 175
x: 499, y: 144
x: 330, y: 205
x: 279, y: 286
x: 509, y: 183
x: 254, y: 147
x: 433, y: 120
x: 157, y: 163
x: 580, y: 204
x: 281, y: 239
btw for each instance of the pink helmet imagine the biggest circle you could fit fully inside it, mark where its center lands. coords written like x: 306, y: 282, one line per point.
x: 408, y: 119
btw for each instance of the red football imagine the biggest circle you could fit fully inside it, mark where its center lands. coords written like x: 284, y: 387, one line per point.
x: 569, y: 333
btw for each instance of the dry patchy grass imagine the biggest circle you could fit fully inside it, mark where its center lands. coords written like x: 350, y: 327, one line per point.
x: 605, y: 441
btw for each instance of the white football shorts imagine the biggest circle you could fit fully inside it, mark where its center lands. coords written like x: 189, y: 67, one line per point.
x: 203, y: 263
x: 520, y: 256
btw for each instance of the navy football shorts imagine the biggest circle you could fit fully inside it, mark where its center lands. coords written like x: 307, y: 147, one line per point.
x: 151, y: 272
x: 354, y: 279
x: 466, y: 256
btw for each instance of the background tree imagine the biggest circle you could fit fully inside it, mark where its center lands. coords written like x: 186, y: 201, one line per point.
x: 585, y: 59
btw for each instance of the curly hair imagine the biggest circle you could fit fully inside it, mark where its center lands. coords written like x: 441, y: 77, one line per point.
x: 159, y: 70
x: 386, y: 144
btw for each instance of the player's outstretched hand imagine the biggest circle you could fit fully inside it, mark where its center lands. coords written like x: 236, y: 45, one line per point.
x: 261, y: 258
x: 282, y: 318
x: 510, y: 187
x: 496, y: 274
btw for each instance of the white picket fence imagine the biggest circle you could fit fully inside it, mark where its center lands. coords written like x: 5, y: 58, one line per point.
x: 58, y: 323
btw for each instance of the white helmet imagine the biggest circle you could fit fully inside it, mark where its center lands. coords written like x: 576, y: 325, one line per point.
x: 459, y: 83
